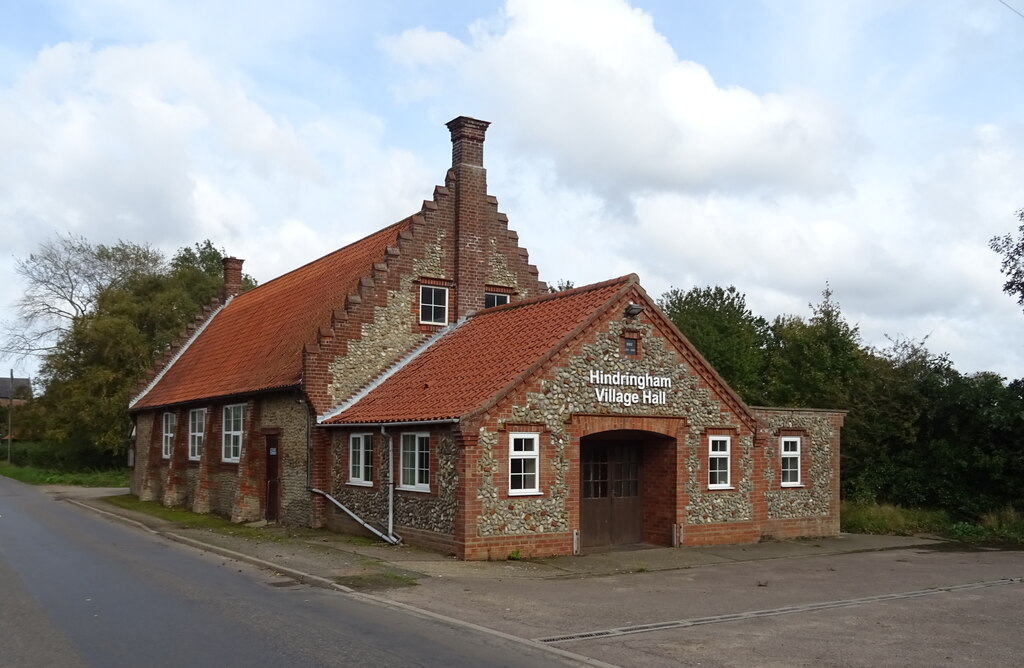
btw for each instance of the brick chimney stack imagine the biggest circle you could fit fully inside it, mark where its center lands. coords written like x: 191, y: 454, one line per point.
x: 232, y: 277
x: 472, y: 211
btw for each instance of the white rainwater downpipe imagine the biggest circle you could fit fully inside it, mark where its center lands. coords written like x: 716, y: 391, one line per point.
x: 391, y: 538
x: 391, y: 480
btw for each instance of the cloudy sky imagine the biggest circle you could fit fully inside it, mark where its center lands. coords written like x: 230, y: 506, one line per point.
x: 875, y: 145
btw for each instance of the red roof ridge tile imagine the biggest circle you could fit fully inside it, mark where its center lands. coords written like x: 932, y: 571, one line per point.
x: 401, y: 223
x: 632, y: 279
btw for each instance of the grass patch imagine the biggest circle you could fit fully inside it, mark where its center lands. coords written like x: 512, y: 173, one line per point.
x: 377, y: 581
x: 189, y: 520
x: 40, y: 476
x: 1002, y: 527
x: 887, y: 519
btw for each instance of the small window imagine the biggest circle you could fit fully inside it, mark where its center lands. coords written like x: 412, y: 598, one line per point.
x: 196, y: 428
x: 231, y: 444
x: 523, y: 459
x: 170, y: 422
x: 718, y: 462
x: 630, y: 347
x: 790, y: 461
x: 415, y: 474
x: 433, y: 305
x: 494, y: 299
x: 360, y: 459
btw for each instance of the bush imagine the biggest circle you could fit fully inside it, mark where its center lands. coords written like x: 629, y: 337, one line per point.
x: 60, y: 457
x: 37, y: 476
x: 885, y: 518
x: 1005, y: 526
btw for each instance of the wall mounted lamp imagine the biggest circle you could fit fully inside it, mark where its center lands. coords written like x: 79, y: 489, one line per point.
x: 633, y: 310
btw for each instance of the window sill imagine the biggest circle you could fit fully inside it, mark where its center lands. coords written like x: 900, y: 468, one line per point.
x: 230, y: 461
x: 421, y: 490
x: 792, y: 485
x: 529, y: 492
x: 720, y: 488
x: 360, y: 483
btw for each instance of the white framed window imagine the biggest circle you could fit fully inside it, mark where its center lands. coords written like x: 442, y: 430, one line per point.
x: 170, y: 422
x: 196, y: 429
x: 790, y: 448
x: 360, y: 459
x: 718, y: 462
x: 492, y: 299
x: 523, y: 463
x: 415, y: 474
x: 433, y: 305
x: 231, y: 441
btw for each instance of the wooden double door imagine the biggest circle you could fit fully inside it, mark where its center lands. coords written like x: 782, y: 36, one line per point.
x: 611, y: 506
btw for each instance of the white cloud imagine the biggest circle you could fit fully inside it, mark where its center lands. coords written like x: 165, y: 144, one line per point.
x: 611, y: 100
x: 152, y: 143
x: 874, y: 145
x: 419, y: 46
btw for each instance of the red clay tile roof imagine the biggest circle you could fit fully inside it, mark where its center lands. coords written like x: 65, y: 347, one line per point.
x: 472, y: 364
x: 255, y: 342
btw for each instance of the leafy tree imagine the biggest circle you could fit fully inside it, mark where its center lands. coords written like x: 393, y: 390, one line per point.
x: 64, y: 278
x: 919, y: 433
x: 1012, y: 251
x: 721, y: 326
x: 812, y: 363
x: 92, y: 367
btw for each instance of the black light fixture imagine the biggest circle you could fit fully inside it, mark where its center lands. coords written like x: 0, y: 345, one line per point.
x: 633, y: 310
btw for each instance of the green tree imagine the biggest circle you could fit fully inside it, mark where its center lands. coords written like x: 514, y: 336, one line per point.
x: 813, y: 363
x: 729, y: 336
x: 63, y: 279
x: 1012, y: 250
x: 561, y: 285
x: 881, y: 435
x: 91, y: 370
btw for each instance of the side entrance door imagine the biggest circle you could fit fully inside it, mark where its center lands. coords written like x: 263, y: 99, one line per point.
x: 273, y: 478
x: 611, y: 508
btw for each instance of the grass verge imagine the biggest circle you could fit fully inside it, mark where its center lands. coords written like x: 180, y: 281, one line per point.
x: 187, y: 519
x: 377, y: 581
x: 39, y: 476
x: 1003, y: 527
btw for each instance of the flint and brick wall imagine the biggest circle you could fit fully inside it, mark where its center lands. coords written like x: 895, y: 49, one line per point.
x: 233, y: 490
x: 458, y: 240
x: 421, y: 518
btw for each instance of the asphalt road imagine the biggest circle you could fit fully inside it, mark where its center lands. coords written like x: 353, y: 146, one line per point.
x: 79, y: 590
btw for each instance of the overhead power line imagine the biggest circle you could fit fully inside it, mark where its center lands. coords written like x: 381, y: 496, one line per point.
x: 1011, y: 8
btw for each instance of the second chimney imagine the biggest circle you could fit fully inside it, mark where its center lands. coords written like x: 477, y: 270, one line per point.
x: 232, y: 277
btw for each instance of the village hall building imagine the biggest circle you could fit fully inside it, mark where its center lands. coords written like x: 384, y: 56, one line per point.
x: 422, y: 384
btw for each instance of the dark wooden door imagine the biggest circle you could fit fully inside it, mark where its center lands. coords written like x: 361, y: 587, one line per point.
x: 273, y: 478
x: 611, y: 508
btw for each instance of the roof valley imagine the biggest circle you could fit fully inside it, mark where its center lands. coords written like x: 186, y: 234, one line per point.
x: 390, y: 371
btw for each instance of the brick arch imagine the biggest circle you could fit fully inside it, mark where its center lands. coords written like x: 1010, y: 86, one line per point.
x: 588, y: 425
x: 661, y: 439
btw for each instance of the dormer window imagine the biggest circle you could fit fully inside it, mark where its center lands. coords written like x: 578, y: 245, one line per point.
x: 433, y: 305
x: 492, y: 299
